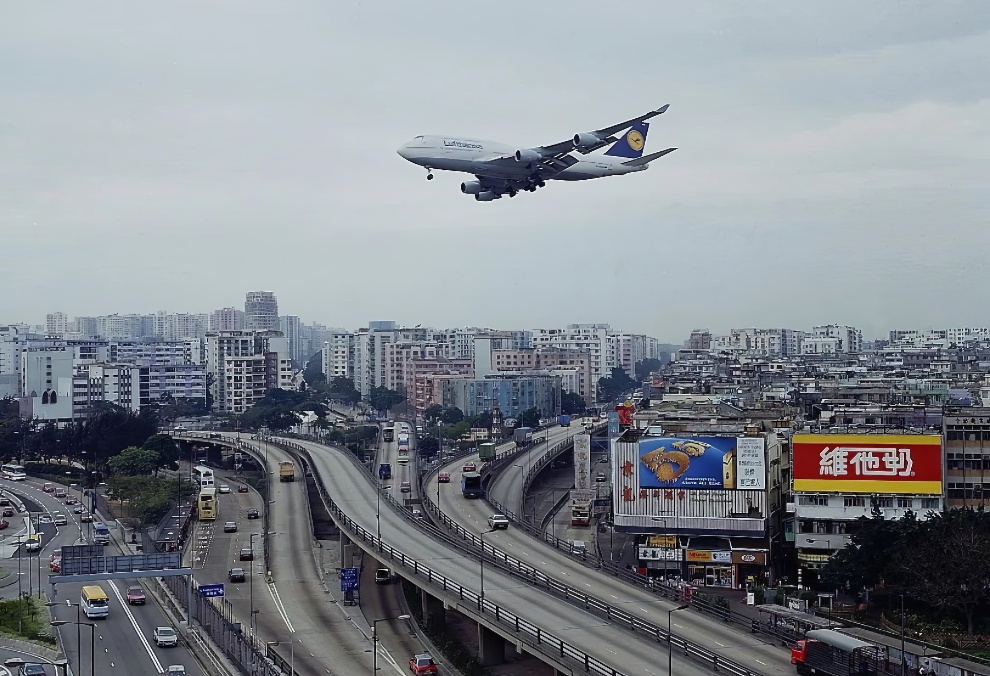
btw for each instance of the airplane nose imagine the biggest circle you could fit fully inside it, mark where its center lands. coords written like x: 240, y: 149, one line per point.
x: 403, y: 151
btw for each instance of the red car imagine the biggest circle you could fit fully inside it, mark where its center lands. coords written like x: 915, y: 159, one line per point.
x: 135, y: 596
x: 242, y: 489
x: 469, y: 467
x: 4, y: 523
x: 443, y: 478
x: 423, y: 664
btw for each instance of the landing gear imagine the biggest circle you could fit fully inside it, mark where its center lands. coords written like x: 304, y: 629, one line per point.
x: 429, y: 174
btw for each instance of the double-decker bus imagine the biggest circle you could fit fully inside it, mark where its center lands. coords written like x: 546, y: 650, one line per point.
x: 13, y: 472
x: 207, y: 504
x: 388, y: 433
x: 204, y: 476
x: 581, y: 512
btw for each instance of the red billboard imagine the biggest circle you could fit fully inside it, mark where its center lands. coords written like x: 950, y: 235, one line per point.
x: 906, y: 464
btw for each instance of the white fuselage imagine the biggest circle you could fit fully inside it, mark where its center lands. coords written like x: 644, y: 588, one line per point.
x: 475, y: 156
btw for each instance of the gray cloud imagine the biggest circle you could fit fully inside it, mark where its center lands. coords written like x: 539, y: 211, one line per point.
x: 831, y: 164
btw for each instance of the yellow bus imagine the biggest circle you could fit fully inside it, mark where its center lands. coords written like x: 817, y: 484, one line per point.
x: 207, y: 504
x: 94, y: 601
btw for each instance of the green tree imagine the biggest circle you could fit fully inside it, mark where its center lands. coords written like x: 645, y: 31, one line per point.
x: 571, y: 403
x: 313, y: 376
x: 342, y: 389
x: 383, y: 399
x: 134, y: 461
x: 866, y: 561
x: 427, y: 447
x: 644, y: 368
x: 613, y: 386
x: 530, y: 418
x: 165, y: 446
x: 451, y: 416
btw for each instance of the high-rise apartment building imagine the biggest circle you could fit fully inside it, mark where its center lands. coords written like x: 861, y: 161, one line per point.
x: 56, y: 324
x: 227, y: 319
x: 291, y: 328
x: 592, y: 338
x: 260, y: 311
x: 338, y: 355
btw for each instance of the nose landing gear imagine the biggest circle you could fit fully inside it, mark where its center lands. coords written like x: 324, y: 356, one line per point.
x: 429, y: 174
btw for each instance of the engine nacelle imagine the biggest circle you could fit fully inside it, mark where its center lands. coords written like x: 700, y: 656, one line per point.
x: 471, y: 187
x: 528, y: 156
x: 586, y: 140
x: 486, y: 196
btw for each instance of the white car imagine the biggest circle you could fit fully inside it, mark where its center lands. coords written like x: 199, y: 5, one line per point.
x: 496, y: 521
x: 224, y: 488
x: 165, y: 637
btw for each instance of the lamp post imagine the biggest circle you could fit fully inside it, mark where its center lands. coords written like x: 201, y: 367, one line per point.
x: 78, y: 622
x: 92, y: 641
x: 378, y: 512
x: 670, y: 642
x: 251, y: 584
x: 374, y: 637
x: 522, y: 482
x: 481, y: 597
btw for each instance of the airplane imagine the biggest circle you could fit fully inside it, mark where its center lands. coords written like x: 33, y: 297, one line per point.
x: 503, y: 170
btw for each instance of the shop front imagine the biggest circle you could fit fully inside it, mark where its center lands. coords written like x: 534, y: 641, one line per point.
x: 660, y: 556
x: 751, y: 568
x: 708, y: 568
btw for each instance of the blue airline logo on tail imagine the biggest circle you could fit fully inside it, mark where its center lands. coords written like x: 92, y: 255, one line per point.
x: 632, y: 142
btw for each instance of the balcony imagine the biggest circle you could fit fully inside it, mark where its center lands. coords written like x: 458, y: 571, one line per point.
x: 822, y: 541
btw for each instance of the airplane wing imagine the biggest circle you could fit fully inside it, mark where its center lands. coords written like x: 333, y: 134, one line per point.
x: 603, y: 135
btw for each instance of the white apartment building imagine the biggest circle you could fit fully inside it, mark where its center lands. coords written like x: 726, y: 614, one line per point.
x: 170, y: 352
x: 227, y: 319
x: 46, y: 383
x: 557, y: 362
x: 180, y: 326
x: 593, y: 338
x: 291, y: 328
x: 56, y: 324
x: 338, y: 355
x: 243, y: 379
x: 850, y: 339
x: 275, y: 365
x: 631, y: 348
x: 260, y: 311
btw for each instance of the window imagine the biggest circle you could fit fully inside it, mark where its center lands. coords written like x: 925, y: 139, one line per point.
x: 929, y: 503
x: 905, y: 503
x: 854, y: 502
x: 885, y: 502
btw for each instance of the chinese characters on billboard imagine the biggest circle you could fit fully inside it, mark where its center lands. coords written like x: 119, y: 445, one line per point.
x: 868, y: 463
x: 582, y: 462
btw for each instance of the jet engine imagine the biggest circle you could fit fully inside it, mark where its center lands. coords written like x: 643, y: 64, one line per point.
x: 486, y: 196
x: 586, y: 140
x: 528, y: 156
x: 471, y: 187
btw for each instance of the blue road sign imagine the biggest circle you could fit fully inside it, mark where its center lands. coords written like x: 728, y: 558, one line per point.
x: 349, y: 579
x: 211, y: 590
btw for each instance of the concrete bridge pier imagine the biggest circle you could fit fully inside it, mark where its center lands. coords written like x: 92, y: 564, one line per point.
x: 434, y: 612
x: 491, y: 647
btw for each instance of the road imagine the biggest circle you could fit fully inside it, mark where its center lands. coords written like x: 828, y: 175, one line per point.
x: 351, y: 490
x: 295, y: 609
x: 735, y: 644
x: 123, y: 640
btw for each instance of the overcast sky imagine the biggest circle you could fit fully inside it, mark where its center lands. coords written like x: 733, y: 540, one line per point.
x: 832, y: 165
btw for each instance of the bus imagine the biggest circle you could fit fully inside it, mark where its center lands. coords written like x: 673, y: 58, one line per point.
x: 204, y: 476
x: 94, y: 601
x: 13, y: 472
x: 388, y: 433
x: 581, y: 512
x: 207, y: 504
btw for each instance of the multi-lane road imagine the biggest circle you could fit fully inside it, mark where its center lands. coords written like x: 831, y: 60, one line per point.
x: 123, y: 641
x: 355, y: 496
x: 472, y: 515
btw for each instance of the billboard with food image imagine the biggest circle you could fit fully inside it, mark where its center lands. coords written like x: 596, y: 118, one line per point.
x: 687, y: 462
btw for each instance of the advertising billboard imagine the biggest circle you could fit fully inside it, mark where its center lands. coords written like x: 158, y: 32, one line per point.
x: 751, y: 468
x: 687, y: 462
x: 582, y: 461
x: 907, y: 464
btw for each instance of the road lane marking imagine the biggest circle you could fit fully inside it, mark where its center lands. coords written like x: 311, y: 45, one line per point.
x: 763, y: 663
x: 137, y: 630
x: 278, y: 605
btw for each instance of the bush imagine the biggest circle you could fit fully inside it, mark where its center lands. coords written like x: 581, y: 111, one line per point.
x: 26, y: 618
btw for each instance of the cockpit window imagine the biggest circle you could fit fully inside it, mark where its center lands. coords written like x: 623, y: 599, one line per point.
x: 418, y: 138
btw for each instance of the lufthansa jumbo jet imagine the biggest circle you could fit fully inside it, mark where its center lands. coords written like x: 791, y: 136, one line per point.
x: 502, y: 170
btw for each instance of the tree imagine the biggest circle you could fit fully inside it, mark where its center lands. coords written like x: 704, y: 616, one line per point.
x: 866, y: 561
x: 644, y: 368
x: 571, y: 403
x: 342, y: 389
x: 530, y: 418
x: 613, y: 386
x: 451, y: 416
x: 433, y: 413
x: 134, y: 461
x: 165, y: 446
x: 313, y: 376
x: 383, y: 399
x: 427, y: 447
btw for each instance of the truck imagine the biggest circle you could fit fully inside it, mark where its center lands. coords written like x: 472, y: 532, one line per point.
x: 385, y: 471
x: 564, y: 420
x: 523, y: 436
x: 829, y: 652
x: 471, y: 485
x: 581, y: 512
x: 286, y: 471
x: 388, y: 434
x: 486, y: 451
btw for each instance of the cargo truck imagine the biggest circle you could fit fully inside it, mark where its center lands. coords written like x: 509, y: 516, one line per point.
x: 486, y: 451
x: 286, y: 471
x: 471, y: 485
x: 523, y: 436
x: 385, y: 471
x: 564, y: 420
x: 829, y: 652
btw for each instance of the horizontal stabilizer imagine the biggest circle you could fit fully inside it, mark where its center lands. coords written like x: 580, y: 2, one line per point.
x: 646, y: 159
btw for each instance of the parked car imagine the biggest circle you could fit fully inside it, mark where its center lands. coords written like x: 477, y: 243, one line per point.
x: 165, y: 637
x: 443, y: 477
x: 224, y: 488
x: 236, y: 575
x: 253, y: 513
x: 230, y: 527
x: 423, y: 664
x: 247, y: 554
x: 135, y: 596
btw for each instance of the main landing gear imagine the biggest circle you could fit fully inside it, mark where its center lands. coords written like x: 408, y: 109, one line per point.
x: 429, y: 174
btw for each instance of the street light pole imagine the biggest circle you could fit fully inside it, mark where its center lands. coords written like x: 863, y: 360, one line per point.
x: 481, y: 597
x: 670, y: 642
x: 251, y: 585
x: 378, y: 512
x: 374, y: 637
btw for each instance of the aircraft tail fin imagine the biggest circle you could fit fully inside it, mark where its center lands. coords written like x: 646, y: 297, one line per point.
x: 646, y: 159
x: 631, y: 143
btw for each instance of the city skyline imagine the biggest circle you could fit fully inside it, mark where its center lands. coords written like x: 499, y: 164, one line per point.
x: 826, y: 170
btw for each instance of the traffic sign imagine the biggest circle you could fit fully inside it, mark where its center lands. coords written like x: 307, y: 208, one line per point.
x: 349, y: 579
x: 211, y: 590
